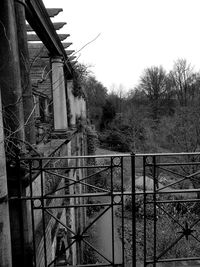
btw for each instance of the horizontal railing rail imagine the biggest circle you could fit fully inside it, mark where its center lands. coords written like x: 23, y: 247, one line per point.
x: 148, y: 202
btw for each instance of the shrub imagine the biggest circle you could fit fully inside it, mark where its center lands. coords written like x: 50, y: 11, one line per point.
x: 171, y: 219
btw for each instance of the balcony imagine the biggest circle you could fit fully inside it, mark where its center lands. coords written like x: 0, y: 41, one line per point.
x: 111, y: 210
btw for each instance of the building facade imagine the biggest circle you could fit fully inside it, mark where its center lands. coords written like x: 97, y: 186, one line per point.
x: 42, y: 117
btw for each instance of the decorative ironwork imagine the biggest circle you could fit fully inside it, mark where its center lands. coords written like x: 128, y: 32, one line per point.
x: 151, y: 200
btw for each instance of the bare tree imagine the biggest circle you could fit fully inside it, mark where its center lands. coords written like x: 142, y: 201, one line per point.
x: 154, y: 84
x: 183, y: 81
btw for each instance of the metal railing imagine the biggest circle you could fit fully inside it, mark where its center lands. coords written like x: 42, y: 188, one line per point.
x: 112, y: 210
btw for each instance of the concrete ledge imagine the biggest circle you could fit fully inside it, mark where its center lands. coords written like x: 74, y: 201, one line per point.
x: 63, y: 134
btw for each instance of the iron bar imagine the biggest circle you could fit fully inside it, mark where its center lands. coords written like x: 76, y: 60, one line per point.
x: 134, y: 260
x: 127, y: 193
x: 99, y: 216
x: 144, y: 205
x: 73, y: 168
x: 141, y: 155
x: 94, y: 265
x: 176, y: 164
x: 43, y: 212
x: 185, y: 178
x: 74, y: 182
x: 53, y: 261
x: 32, y: 212
x: 175, y: 201
x: 116, y: 162
x: 198, y: 240
x: 96, y: 250
x: 65, y: 226
x: 122, y: 211
x: 176, y: 259
x: 154, y: 210
x: 83, y: 157
x: 84, y: 178
x: 112, y: 211
x: 194, y: 223
x: 86, y: 195
x: 21, y: 214
x: 170, y: 216
x: 170, y: 246
x: 77, y: 206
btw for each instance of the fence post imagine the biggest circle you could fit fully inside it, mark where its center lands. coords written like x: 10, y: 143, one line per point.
x: 133, y: 210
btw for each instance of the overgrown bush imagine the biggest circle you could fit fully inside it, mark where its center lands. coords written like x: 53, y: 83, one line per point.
x: 115, y: 140
x: 172, y: 219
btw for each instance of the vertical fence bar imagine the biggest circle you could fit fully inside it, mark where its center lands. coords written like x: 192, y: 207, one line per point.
x: 154, y: 210
x: 43, y: 212
x: 32, y: 212
x: 133, y: 210
x: 20, y: 206
x: 144, y: 205
x: 112, y: 212
x: 122, y: 205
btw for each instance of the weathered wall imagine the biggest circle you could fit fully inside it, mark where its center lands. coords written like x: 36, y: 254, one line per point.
x: 77, y: 104
x: 73, y: 218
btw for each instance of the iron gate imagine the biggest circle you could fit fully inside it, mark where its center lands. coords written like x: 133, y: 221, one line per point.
x: 111, y: 210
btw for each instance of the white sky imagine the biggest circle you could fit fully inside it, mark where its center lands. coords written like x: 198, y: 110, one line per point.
x: 134, y: 34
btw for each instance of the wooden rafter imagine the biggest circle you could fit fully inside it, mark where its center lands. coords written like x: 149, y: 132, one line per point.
x: 39, y: 45
x: 71, y: 58
x: 69, y: 52
x: 38, y: 18
x: 57, y: 26
x: 66, y: 45
x: 40, y: 50
x: 35, y: 38
x: 74, y: 62
x: 52, y: 12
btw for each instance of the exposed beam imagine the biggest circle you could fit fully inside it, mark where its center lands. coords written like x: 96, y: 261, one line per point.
x: 40, y: 47
x: 66, y: 45
x: 34, y: 38
x: 71, y: 58
x: 38, y: 18
x: 40, y: 50
x: 63, y: 36
x: 37, y: 50
x: 36, y: 46
x: 28, y: 28
x: 57, y: 26
x: 74, y: 62
x: 69, y: 52
x: 52, y: 12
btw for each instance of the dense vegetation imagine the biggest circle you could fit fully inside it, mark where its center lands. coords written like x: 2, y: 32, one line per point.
x: 161, y: 114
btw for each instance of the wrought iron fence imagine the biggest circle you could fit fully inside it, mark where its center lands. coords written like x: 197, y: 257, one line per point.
x: 112, y: 210
x: 167, y: 210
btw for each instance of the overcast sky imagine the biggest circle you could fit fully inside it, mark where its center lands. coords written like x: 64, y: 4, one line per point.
x: 134, y: 34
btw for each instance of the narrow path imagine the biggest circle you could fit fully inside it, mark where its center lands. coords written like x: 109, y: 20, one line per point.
x: 104, y: 238
x: 102, y: 230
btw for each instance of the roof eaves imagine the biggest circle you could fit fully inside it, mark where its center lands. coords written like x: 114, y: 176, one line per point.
x: 38, y: 18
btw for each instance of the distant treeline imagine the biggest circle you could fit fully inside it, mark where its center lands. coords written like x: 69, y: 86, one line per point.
x: 161, y: 114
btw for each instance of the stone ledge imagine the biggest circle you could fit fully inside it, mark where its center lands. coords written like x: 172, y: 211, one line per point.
x: 62, y: 134
x: 45, y: 150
